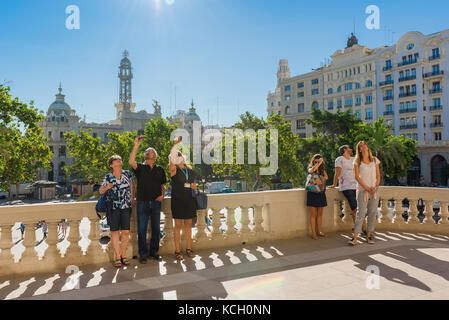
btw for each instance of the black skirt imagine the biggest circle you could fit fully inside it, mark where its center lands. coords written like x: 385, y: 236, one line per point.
x: 183, y: 205
x: 317, y: 200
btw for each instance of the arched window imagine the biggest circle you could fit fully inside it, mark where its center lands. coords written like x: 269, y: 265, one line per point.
x: 330, y: 91
x: 437, y: 164
x: 287, y: 110
x: 369, y: 83
x: 339, y: 89
x: 315, y: 105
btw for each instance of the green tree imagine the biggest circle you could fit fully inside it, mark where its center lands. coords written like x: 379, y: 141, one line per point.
x: 23, y: 147
x: 396, y: 154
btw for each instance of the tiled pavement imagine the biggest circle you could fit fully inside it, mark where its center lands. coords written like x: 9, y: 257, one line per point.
x: 411, y: 266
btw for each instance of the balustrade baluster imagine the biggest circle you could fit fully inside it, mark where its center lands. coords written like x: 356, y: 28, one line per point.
x: 230, y: 222
x: 337, y: 212
x: 29, y: 242
x: 201, y: 225
x: 244, y: 221
x: 398, y: 219
x: 74, y: 250
x: 384, y: 211
x: 347, y: 219
x: 52, y: 239
x: 444, y: 214
x: 168, y: 227
x: 6, y: 242
x: 413, y: 212
x: 428, y: 212
x: 216, y: 223
x: 258, y: 219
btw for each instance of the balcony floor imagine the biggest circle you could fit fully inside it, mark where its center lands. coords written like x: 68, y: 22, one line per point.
x: 412, y: 266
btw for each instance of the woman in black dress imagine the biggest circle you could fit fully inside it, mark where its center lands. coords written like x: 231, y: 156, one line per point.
x: 183, y: 204
x: 317, y: 201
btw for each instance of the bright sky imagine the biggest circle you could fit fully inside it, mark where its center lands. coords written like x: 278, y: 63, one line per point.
x: 223, y: 54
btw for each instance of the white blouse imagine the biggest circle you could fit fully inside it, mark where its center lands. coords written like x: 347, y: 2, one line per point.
x: 368, y: 174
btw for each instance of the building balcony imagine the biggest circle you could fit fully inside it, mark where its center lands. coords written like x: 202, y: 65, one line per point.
x: 407, y: 94
x: 387, y: 68
x: 411, y: 110
x: 434, y: 57
x: 407, y: 78
x: 271, y: 226
x: 386, y: 83
x: 388, y: 98
x: 408, y: 62
x: 388, y: 113
x: 348, y: 105
x: 436, y: 125
x: 358, y: 104
x: 408, y: 126
x: 436, y: 108
x: 433, y: 74
x: 435, y: 91
x: 369, y: 102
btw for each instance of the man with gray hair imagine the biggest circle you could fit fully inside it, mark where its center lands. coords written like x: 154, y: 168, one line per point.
x: 151, y: 180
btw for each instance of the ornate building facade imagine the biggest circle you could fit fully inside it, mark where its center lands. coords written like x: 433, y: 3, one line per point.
x: 61, y: 118
x: 404, y: 83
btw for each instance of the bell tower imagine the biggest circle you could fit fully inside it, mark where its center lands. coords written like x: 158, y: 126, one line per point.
x: 125, y: 76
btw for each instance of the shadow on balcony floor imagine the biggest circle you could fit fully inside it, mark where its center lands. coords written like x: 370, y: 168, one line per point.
x: 409, y: 265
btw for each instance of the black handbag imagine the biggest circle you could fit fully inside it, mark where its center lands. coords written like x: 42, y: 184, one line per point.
x: 201, y: 200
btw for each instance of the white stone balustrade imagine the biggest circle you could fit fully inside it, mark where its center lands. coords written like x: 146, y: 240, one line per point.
x: 264, y: 216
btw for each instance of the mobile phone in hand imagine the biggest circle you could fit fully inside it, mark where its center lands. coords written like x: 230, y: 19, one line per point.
x: 142, y: 137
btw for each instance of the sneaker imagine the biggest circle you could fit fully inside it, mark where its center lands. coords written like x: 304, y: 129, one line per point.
x: 143, y: 260
x: 353, y: 242
x: 364, y: 233
x: 371, y: 240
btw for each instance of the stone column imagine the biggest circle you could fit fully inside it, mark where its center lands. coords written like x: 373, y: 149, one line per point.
x: 384, y: 219
x: 428, y: 212
x: 201, y: 225
x: 216, y: 224
x: 444, y: 214
x: 413, y: 212
x: 74, y: 237
x: 347, y: 219
x: 230, y: 231
x: 258, y: 219
x: 52, y: 240
x: 398, y: 219
x: 29, y: 242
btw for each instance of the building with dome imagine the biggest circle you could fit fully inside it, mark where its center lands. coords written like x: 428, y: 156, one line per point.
x: 404, y: 83
x: 61, y: 118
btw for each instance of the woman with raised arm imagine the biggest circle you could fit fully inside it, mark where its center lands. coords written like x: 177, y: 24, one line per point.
x: 183, y: 203
x: 366, y: 168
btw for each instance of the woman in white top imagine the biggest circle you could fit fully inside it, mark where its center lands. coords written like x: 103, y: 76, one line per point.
x: 366, y: 169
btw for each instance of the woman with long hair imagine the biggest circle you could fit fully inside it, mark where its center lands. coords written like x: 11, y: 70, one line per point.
x: 316, y: 201
x: 122, y: 185
x: 367, y: 174
x: 183, y: 203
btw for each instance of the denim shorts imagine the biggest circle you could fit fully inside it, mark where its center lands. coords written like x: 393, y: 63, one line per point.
x: 119, y: 219
x: 352, y: 198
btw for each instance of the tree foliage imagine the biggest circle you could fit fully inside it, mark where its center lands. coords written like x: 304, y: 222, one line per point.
x: 23, y: 147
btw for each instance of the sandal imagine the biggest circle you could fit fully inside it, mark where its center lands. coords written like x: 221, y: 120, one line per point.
x: 118, y: 263
x: 190, y: 253
x: 125, y: 261
x: 321, y: 234
x: 314, y: 237
x: 178, y: 256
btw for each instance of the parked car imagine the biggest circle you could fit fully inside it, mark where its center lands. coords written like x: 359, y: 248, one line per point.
x: 216, y: 187
x: 227, y: 190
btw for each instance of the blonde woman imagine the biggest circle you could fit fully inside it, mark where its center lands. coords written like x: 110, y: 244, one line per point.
x: 366, y: 169
x: 183, y: 204
x: 317, y: 201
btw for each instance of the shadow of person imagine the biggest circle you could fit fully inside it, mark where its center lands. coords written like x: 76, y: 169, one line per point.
x: 416, y: 258
x: 389, y: 273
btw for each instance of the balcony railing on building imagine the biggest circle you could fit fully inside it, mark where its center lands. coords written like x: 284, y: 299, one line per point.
x: 388, y: 113
x: 435, y: 91
x: 409, y: 110
x: 407, y: 78
x: 407, y: 94
x: 407, y: 62
x: 436, y: 108
x: 385, y: 83
x: 434, y: 74
x: 388, y: 98
x: 408, y: 126
x: 348, y: 105
x: 436, y: 125
x: 386, y: 68
x: 434, y: 57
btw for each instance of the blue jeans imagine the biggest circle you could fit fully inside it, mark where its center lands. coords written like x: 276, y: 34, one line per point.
x: 145, y: 211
